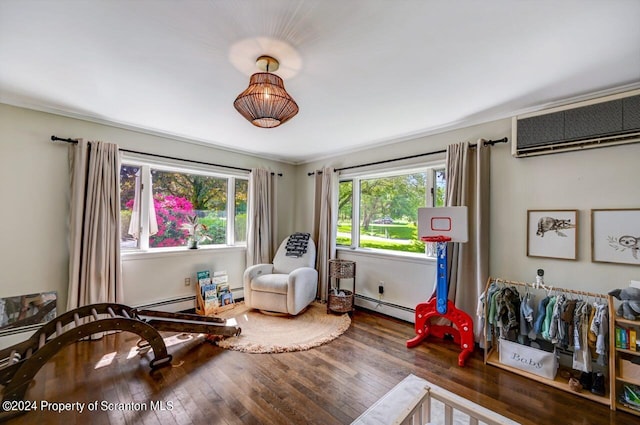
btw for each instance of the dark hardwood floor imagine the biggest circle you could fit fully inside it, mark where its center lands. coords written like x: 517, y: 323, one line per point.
x: 331, y: 384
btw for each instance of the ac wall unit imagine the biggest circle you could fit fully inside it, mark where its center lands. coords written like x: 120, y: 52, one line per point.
x: 606, y: 121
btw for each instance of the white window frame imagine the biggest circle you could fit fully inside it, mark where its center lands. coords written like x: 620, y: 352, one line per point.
x: 356, y: 177
x: 146, y: 164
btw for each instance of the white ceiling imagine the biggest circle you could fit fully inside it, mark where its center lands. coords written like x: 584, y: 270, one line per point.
x: 364, y: 72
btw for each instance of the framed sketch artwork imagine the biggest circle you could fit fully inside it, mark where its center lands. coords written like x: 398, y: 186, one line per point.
x: 552, y: 234
x: 615, y: 236
x: 27, y: 310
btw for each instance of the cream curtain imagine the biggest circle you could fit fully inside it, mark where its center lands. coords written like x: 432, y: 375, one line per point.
x: 135, y: 223
x: 468, y: 184
x: 261, y: 232
x: 324, y: 228
x: 94, y: 228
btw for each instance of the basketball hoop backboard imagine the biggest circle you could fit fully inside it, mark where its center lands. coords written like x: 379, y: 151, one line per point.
x: 445, y: 221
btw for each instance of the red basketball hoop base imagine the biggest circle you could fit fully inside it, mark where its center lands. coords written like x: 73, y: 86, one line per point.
x: 462, y: 333
x: 438, y: 238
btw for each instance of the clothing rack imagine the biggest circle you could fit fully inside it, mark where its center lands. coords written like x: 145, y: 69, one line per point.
x: 549, y: 288
x: 491, y: 353
x: 192, y: 161
x: 385, y: 161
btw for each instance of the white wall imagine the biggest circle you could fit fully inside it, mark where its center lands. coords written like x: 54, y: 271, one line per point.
x: 406, y: 281
x: 169, y: 270
x: 33, y: 244
x: 597, y: 178
x: 34, y: 191
x: 35, y: 196
x: 582, y: 180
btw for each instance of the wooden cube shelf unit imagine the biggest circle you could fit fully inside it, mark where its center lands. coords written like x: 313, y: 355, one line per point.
x: 626, y: 371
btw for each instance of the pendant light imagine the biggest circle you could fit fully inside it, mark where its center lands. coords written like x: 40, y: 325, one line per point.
x: 265, y: 103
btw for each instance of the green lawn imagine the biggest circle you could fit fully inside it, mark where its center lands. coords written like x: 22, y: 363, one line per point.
x: 389, y: 231
x: 396, y: 237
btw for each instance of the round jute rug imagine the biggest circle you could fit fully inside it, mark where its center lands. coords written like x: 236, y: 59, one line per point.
x: 264, y: 333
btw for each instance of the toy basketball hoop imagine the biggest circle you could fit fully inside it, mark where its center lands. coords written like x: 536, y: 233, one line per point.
x: 443, y: 225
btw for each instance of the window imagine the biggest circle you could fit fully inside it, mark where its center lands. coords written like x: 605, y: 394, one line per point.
x: 157, y: 201
x: 345, y: 213
x: 129, y: 186
x: 240, y: 210
x: 381, y: 211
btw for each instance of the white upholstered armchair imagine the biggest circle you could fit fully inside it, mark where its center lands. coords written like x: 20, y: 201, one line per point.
x: 289, y: 284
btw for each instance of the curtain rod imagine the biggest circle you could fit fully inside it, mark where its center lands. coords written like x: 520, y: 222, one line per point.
x: 471, y: 145
x: 54, y: 138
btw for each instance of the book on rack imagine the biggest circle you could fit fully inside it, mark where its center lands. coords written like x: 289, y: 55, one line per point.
x: 630, y: 396
x: 220, y: 277
x: 213, y: 294
x: 204, y: 277
x: 622, y: 337
x: 223, y: 287
x: 226, y: 298
x: 210, y: 303
x: 209, y: 291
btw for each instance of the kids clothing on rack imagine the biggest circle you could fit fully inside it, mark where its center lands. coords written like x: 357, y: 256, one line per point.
x: 562, y: 318
x: 507, y: 311
x: 546, y: 324
x: 582, y: 353
x: 600, y: 327
x: 526, y: 317
x: 542, y: 309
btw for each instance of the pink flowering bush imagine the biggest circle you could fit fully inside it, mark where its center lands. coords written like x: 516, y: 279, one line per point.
x: 172, y: 213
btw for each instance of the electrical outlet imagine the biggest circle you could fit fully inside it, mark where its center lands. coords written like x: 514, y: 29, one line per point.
x: 381, y: 288
x: 187, y: 281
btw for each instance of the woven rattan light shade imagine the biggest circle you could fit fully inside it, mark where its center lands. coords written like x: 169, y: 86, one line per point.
x: 265, y: 103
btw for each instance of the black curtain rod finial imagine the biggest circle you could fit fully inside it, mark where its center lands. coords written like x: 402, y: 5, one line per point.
x: 56, y: 138
x: 495, y: 142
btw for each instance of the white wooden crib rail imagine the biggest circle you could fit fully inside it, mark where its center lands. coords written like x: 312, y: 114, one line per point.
x: 452, y: 403
x: 411, y: 403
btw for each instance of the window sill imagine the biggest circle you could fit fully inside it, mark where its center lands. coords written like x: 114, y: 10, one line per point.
x: 390, y: 255
x: 177, y: 251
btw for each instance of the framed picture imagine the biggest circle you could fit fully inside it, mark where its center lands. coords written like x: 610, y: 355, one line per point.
x: 552, y: 234
x: 27, y: 309
x: 615, y: 236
